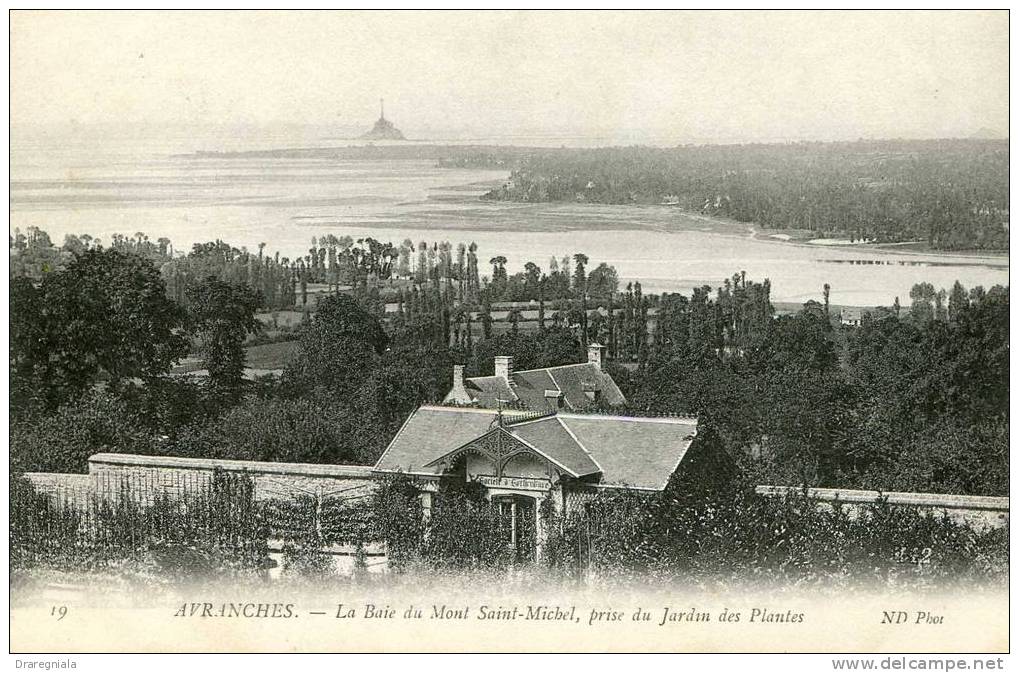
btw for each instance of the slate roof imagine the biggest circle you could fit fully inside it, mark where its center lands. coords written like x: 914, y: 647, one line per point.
x: 611, y: 450
x: 431, y: 432
x: 488, y: 390
x: 638, y: 452
x: 528, y: 387
x: 550, y: 437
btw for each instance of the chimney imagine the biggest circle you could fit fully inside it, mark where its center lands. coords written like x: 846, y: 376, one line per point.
x: 459, y: 393
x: 504, y: 366
x: 596, y: 354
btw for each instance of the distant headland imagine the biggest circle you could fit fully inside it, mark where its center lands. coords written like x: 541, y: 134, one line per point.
x: 383, y: 129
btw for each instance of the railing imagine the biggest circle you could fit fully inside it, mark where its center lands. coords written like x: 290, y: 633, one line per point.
x: 521, y: 418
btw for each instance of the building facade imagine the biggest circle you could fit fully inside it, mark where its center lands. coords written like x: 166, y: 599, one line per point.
x: 522, y: 458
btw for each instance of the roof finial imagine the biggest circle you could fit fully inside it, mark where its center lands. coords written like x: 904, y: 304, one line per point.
x: 382, y: 108
x: 499, y: 405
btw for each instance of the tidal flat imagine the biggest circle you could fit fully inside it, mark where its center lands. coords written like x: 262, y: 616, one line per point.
x: 286, y: 198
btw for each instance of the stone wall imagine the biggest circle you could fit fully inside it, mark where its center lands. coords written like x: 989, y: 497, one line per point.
x: 145, y: 477
x: 64, y: 490
x: 978, y: 511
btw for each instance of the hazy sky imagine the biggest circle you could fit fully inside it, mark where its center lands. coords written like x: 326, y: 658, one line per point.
x: 682, y: 76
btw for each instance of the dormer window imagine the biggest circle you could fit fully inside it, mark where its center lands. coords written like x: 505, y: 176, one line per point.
x: 554, y: 398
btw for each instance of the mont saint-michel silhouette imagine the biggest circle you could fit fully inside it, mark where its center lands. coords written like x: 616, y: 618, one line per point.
x: 383, y: 129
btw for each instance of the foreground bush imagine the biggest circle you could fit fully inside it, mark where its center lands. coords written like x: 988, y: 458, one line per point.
x: 791, y: 540
x: 697, y: 536
x: 204, y: 534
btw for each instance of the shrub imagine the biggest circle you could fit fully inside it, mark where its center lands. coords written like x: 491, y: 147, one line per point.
x: 293, y: 431
x: 37, y: 529
x: 791, y: 539
x: 63, y: 441
x: 466, y: 532
x: 210, y: 532
x: 397, y: 519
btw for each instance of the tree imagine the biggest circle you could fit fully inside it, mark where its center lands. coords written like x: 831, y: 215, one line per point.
x: 397, y: 518
x: 580, y: 274
x: 802, y: 341
x: 223, y: 314
x: 954, y: 195
x: 602, y: 284
x: 28, y: 356
x: 486, y: 320
x: 63, y: 441
x: 498, y: 275
x: 408, y: 374
x: 513, y: 317
x: 546, y: 348
x: 532, y: 281
x: 290, y: 431
x: 922, y: 308
x: 808, y: 420
x: 541, y: 303
x: 336, y: 348
x: 106, y: 314
x: 167, y: 405
x: 958, y: 301
x: 914, y: 376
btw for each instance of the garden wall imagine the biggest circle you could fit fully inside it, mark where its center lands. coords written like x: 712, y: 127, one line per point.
x: 148, y: 476
x: 978, y: 511
x: 63, y: 490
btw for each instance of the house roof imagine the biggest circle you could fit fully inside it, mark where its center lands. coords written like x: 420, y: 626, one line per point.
x: 429, y: 433
x: 550, y: 437
x: 489, y: 390
x: 615, y: 450
x: 528, y: 387
x: 851, y: 312
x: 637, y: 452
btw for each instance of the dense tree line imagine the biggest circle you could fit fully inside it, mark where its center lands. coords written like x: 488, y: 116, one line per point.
x: 915, y: 398
x: 952, y: 194
x: 915, y: 401
x: 433, y: 284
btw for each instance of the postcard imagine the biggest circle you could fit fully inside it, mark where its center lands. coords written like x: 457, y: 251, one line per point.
x: 510, y: 331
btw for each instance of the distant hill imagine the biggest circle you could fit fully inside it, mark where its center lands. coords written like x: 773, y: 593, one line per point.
x: 989, y: 134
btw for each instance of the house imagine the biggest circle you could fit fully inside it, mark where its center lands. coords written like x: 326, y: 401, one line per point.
x: 851, y: 316
x: 521, y: 458
x: 568, y: 387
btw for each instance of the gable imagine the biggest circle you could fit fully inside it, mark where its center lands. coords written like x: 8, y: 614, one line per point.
x: 497, y: 445
x: 502, y: 444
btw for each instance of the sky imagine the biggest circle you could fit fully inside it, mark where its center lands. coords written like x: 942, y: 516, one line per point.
x: 677, y: 76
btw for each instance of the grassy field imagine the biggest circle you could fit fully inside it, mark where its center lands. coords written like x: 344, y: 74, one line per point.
x: 270, y: 356
x: 279, y: 319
